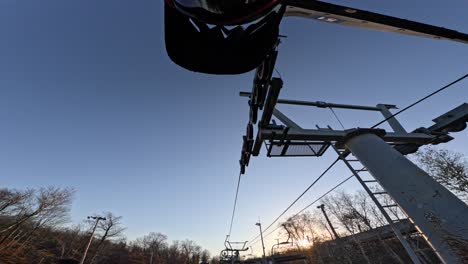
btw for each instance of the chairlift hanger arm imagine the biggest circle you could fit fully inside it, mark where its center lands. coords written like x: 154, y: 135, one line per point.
x: 235, y: 250
x: 347, y: 16
x: 228, y: 245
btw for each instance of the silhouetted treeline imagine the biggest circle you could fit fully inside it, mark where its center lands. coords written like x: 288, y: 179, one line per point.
x: 32, y: 231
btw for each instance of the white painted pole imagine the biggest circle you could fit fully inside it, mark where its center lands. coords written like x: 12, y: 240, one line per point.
x: 439, y: 214
x: 97, y: 218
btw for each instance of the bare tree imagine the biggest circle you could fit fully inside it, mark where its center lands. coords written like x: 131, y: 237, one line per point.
x: 447, y: 167
x: 68, y: 240
x: 154, y: 243
x: 190, y: 251
x: 214, y: 260
x: 205, y: 256
x: 357, y: 213
x: 353, y: 211
x: 44, y: 206
x: 10, y: 200
x: 304, y: 229
x: 173, y: 254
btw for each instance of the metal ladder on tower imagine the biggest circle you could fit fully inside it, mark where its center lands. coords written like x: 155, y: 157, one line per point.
x: 373, y: 192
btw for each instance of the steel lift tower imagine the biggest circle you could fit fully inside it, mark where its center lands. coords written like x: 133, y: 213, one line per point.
x: 237, y: 36
x: 436, y: 212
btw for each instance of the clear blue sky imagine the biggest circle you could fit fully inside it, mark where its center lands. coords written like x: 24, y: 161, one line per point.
x: 89, y: 99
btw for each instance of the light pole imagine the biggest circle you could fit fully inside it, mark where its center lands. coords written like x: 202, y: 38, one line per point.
x: 97, y: 218
x: 322, y: 206
x: 261, y: 237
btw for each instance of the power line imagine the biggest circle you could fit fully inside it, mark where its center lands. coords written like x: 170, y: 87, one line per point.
x: 279, y: 74
x: 235, y: 204
x: 331, y: 190
x: 420, y: 100
x: 300, y: 196
x: 305, y: 208
x: 337, y: 118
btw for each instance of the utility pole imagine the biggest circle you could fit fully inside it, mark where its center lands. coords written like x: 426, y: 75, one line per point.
x: 97, y: 218
x: 261, y: 237
x: 337, y: 237
x: 322, y: 206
